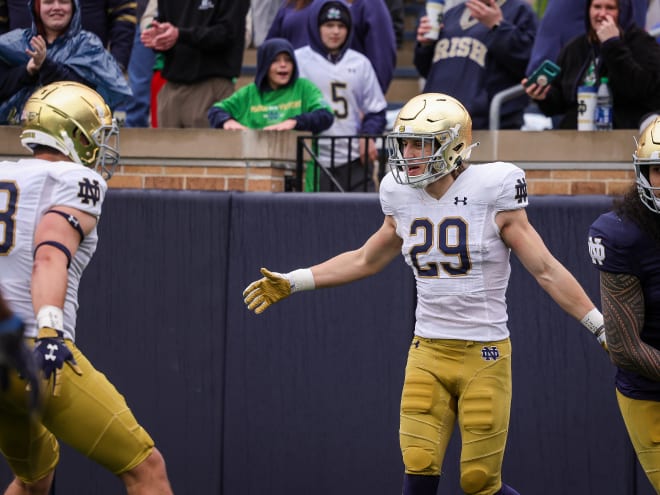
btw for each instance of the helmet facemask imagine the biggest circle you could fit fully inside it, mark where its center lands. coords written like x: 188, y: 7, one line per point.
x: 74, y: 120
x: 647, y: 154
x: 440, y: 129
x: 433, y: 148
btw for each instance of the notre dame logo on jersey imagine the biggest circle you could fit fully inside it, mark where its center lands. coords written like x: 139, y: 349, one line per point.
x: 89, y: 191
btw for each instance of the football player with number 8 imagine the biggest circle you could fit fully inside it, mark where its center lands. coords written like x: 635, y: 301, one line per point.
x: 52, y: 204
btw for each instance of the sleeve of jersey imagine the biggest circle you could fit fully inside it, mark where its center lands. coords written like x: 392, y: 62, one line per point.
x: 513, y: 192
x: 82, y: 189
x: 611, y: 243
x: 385, y: 194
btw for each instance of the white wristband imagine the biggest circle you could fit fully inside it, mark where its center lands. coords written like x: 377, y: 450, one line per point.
x: 594, y: 321
x: 51, y: 317
x: 301, y: 279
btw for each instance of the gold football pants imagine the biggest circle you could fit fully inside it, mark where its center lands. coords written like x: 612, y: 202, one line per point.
x: 89, y: 414
x: 642, y: 419
x: 449, y: 380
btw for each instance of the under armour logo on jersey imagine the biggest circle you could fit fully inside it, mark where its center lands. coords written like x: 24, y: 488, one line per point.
x: 596, y: 250
x: 205, y: 5
x: 52, y: 349
x: 458, y: 200
x: 73, y: 221
x: 490, y: 353
x: 417, y: 344
x: 89, y: 191
x: 521, y: 191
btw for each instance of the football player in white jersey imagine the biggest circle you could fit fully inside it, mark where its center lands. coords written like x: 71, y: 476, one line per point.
x: 455, y: 226
x: 51, y: 205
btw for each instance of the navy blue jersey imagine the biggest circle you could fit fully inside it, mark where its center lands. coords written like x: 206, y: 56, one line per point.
x: 618, y: 245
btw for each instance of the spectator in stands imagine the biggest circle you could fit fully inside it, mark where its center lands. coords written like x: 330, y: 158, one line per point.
x: 373, y: 36
x: 140, y: 73
x: 202, y: 42
x: 397, y: 13
x: 277, y: 100
x: 111, y: 20
x: 290, y: 21
x: 562, y: 21
x: 348, y: 82
x: 612, y: 46
x: 373, y: 32
x: 263, y: 14
x: 483, y: 48
x: 55, y: 49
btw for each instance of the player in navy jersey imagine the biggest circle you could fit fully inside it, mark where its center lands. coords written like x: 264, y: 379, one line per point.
x: 455, y: 226
x: 624, y: 245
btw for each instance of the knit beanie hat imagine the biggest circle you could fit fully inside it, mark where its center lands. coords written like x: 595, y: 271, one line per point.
x: 335, y: 11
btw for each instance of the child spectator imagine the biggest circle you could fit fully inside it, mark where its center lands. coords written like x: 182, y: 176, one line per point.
x: 349, y: 83
x: 277, y: 100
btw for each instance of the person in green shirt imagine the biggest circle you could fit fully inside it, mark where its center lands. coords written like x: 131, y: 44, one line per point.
x: 277, y: 100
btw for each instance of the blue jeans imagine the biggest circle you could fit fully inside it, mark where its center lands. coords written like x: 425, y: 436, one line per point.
x: 140, y: 72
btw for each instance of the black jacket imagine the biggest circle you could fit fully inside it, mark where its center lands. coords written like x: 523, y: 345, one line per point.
x: 211, y: 39
x: 632, y: 65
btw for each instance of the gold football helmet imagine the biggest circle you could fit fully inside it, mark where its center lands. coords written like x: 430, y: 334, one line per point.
x: 443, y: 128
x: 648, y: 153
x: 75, y: 120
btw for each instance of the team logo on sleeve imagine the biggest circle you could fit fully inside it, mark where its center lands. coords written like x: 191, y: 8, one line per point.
x: 521, y: 191
x: 89, y: 191
x: 596, y: 250
x: 490, y: 353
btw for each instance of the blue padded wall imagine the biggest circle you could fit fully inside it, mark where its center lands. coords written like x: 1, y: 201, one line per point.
x: 304, y: 398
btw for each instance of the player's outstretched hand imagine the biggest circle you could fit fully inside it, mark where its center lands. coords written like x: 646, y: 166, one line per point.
x: 260, y: 294
x: 50, y: 353
x: 14, y: 354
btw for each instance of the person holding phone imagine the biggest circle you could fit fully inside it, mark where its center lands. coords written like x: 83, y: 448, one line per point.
x: 612, y: 46
x: 483, y: 48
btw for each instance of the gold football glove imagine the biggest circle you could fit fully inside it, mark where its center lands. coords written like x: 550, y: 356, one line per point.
x: 260, y: 294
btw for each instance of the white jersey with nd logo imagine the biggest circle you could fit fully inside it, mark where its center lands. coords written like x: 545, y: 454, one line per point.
x: 29, y: 188
x: 454, y: 248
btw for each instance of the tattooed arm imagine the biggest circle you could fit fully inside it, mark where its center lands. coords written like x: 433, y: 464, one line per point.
x: 623, y: 310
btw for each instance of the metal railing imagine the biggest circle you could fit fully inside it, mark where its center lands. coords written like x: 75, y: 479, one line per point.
x: 339, y: 177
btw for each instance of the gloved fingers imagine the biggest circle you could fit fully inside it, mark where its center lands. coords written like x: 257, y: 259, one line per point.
x: 274, y: 276
x: 252, y: 287
x: 57, y: 383
x: 74, y: 366
x: 258, y: 303
x: 252, y: 291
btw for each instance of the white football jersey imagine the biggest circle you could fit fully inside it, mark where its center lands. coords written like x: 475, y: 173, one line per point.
x: 351, y: 88
x: 454, y: 248
x: 28, y: 188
